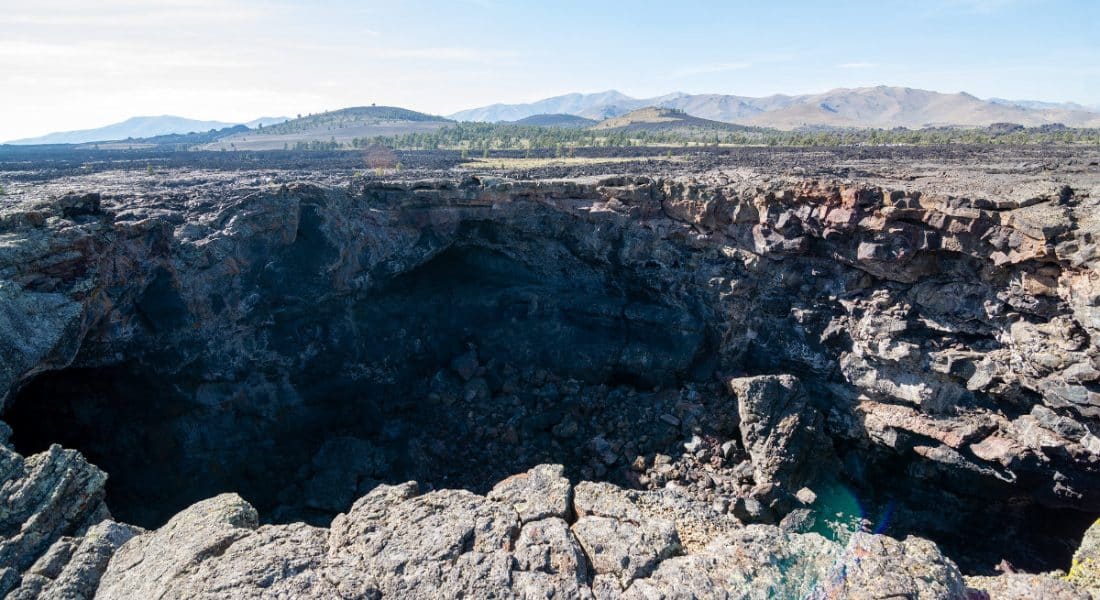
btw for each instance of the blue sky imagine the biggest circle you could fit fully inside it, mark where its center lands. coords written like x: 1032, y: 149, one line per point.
x: 69, y: 64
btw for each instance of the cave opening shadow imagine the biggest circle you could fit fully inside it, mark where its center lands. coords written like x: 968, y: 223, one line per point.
x: 978, y: 524
x: 472, y: 367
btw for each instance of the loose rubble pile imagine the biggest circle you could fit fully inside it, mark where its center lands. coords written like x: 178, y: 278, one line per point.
x: 762, y: 385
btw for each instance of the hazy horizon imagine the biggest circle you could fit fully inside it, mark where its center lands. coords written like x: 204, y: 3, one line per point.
x: 75, y: 66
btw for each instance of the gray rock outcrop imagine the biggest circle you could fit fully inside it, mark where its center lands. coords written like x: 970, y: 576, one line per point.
x: 397, y: 542
x: 45, y: 501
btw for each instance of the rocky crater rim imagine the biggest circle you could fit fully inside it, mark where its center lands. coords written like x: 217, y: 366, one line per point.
x: 756, y: 345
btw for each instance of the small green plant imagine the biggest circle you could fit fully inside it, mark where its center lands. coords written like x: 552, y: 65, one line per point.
x: 3, y: 190
x: 397, y: 167
x: 465, y: 154
x: 485, y: 153
x: 148, y: 169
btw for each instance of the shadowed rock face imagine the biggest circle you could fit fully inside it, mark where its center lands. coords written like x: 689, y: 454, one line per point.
x: 733, y: 341
x: 235, y: 380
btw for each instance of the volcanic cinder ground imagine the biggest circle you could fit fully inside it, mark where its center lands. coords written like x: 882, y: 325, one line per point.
x: 748, y: 373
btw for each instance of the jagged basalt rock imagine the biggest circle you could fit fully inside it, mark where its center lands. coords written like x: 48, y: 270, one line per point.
x: 397, y: 542
x: 44, y: 499
x: 782, y: 433
x: 1023, y: 586
x: 541, y: 493
x: 923, y: 343
x: 72, y: 567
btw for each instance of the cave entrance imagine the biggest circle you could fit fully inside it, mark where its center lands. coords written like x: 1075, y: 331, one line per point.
x: 476, y: 365
x: 472, y: 367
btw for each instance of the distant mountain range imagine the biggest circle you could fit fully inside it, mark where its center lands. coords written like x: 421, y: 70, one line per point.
x: 881, y: 106
x: 141, y: 127
x: 1037, y: 104
x: 597, y: 107
x: 872, y: 107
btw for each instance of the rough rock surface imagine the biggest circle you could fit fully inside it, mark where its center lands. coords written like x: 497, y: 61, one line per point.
x: 72, y: 567
x: 44, y: 500
x: 782, y: 433
x: 805, y: 566
x: 302, y: 342
x: 540, y: 493
x: 1085, y: 572
x: 1026, y: 586
x: 396, y: 542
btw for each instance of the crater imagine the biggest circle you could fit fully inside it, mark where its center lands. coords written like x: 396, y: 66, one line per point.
x: 328, y: 350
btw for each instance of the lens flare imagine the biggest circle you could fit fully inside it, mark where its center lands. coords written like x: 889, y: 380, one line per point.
x: 839, y: 512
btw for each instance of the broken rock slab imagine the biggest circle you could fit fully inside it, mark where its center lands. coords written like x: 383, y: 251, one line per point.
x: 540, y: 493
x: 781, y: 431
x: 44, y: 497
x: 397, y: 542
x: 72, y: 567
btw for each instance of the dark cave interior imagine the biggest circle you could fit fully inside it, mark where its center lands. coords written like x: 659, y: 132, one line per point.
x: 470, y: 368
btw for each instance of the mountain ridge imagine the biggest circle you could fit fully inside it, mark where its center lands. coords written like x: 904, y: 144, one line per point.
x: 883, y: 107
x: 139, y: 127
x: 867, y: 107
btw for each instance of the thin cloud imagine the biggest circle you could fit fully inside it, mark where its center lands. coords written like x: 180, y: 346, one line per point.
x: 102, y: 57
x: 452, y: 54
x: 711, y: 68
x: 857, y: 65
x: 119, y: 14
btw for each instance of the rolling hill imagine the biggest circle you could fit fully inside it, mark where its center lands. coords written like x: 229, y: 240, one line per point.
x: 880, y: 106
x: 340, y: 126
x: 656, y: 119
x: 556, y: 120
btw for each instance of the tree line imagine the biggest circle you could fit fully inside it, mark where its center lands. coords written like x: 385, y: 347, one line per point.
x: 476, y: 137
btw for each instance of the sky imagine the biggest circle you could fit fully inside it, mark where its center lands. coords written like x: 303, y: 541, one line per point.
x: 77, y: 64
